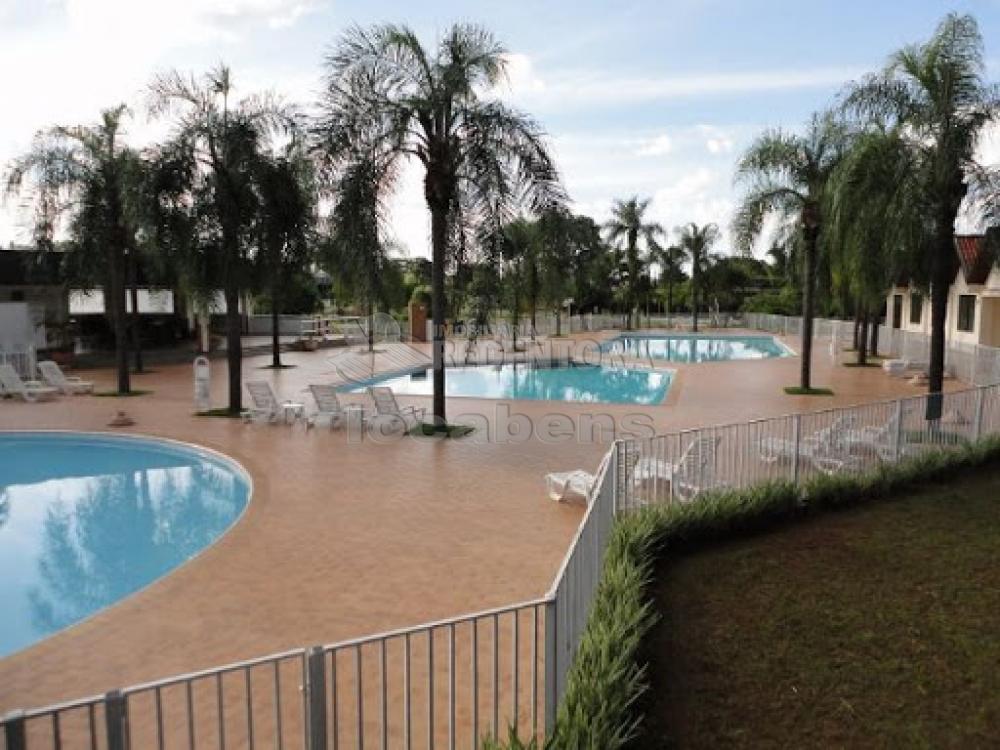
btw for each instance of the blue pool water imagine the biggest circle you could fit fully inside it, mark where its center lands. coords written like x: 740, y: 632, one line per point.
x: 587, y: 383
x: 86, y: 520
x: 695, y: 348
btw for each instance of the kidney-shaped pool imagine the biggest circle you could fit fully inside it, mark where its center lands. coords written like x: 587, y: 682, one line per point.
x: 87, y: 519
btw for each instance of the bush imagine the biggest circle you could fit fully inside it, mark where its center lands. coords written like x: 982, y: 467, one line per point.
x: 600, y: 706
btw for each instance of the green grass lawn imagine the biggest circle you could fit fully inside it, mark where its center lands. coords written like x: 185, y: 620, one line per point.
x: 874, y: 627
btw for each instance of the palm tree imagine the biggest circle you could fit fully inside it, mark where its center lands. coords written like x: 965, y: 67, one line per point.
x: 695, y: 243
x: 89, y: 173
x: 628, y: 223
x: 936, y: 93
x: 875, y: 222
x: 218, y: 143
x: 285, y: 219
x: 669, y: 260
x: 519, y: 251
x: 787, y: 175
x: 386, y: 91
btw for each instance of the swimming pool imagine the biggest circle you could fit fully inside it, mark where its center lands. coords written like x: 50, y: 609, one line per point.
x: 693, y: 348
x: 537, y: 382
x: 86, y: 520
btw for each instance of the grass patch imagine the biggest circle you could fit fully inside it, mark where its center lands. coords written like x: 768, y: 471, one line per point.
x: 425, y: 429
x: 795, y: 390
x: 276, y: 367
x: 220, y: 412
x: 604, y: 697
x: 879, y: 625
x: 116, y: 394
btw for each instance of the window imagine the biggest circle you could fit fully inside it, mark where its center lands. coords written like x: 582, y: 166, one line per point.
x: 967, y: 312
x: 916, y: 308
x: 897, y: 310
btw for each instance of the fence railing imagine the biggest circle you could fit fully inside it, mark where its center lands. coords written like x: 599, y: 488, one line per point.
x: 22, y: 360
x: 447, y: 684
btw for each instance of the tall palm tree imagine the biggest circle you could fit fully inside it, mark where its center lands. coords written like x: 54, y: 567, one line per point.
x: 669, y: 260
x: 285, y: 223
x: 936, y: 92
x: 787, y: 174
x: 628, y: 224
x: 696, y: 242
x: 89, y: 174
x: 383, y: 88
x: 218, y: 143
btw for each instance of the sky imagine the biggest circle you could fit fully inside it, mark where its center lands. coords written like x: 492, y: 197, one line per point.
x: 655, y: 99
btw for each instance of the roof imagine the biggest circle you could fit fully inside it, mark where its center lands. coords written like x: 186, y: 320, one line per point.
x: 29, y: 268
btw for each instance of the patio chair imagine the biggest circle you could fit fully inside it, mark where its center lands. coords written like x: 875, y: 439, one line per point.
x: 387, y: 406
x: 27, y: 390
x: 826, y: 449
x: 693, y: 474
x: 53, y: 375
x: 572, y: 486
x: 266, y: 407
x: 879, y: 439
x: 328, y: 408
x: 900, y: 368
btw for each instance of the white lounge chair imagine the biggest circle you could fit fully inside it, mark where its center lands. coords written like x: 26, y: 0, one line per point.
x: 386, y: 406
x: 827, y: 449
x: 569, y: 486
x: 693, y: 474
x: 328, y: 408
x: 900, y: 368
x: 27, y: 390
x: 267, y: 408
x: 877, y: 439
x: 53, y: 375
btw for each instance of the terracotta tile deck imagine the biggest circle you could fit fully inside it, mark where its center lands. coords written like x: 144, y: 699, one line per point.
x: 342, y: 540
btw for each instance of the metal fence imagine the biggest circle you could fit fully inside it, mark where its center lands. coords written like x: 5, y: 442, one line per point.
x: 449, y: 683
x: 23, y: 361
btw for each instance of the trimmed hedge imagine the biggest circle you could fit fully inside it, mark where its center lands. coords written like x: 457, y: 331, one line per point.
x: 599, y: 709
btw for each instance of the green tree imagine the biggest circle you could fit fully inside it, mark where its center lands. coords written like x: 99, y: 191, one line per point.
x: 786, y: 175
x: 669, y: 260
x: 936, y: 93
x: 696, y: 243
x: 89, y: 173
x: 628, y: 225
x: 385, y: 88
x: 215, y: 154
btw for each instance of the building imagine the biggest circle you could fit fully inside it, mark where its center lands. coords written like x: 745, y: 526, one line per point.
x: 973, y: 301
x: 32, y: 278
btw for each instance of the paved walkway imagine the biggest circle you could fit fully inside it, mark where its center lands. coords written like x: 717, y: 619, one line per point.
x: 340, y: 539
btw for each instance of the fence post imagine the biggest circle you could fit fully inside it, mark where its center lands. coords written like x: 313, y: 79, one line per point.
x: 614, y: 477
x: 977, y: 424
x: 897, y: 447
x: 316, y: 698
x: 551, y: 687
x: 797, y: 442
x: 114, y: 719
x: 13, y: 731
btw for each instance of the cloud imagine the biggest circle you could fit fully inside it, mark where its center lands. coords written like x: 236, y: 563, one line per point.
x: 658, y: 146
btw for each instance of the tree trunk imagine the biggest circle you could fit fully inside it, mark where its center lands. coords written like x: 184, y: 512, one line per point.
x: 371, y: 325
x: 863, y: 339
x: 694, y: 300
x: 439, y: 244
x: 873, y: 343
x: 275, y: 328
x: 234, y: 350
x: 558, y: 322
x: 857, y: 329
x: 808, y: 302
x: 119, y: 320
x: 133, y: 273
x: 940, y: 285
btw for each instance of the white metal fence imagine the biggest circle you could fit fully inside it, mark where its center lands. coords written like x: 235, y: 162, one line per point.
x: 447, y: 684
x: 22, y: 360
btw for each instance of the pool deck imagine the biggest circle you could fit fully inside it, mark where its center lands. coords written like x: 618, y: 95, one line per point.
x: 341, y: 538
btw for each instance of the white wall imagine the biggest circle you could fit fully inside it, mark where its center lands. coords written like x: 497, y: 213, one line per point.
x: 17, y: 331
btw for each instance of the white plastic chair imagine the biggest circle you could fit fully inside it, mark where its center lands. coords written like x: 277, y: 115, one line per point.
x: 328, y: 408
x: 53, y: 375
x: 693, y: 474
x: 26, y: 390
x: 387, y: 406
x: 267, y: 408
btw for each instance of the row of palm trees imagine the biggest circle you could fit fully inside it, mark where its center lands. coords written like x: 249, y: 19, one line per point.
x: 640, y: 244
x: 874, y: 186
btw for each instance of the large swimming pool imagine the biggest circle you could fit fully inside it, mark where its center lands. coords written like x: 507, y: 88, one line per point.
x: 86, y: 520
x: 538, y: 382
x: 691, y: 348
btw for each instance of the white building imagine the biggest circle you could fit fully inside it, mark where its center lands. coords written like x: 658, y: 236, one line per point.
x: 973, y: 301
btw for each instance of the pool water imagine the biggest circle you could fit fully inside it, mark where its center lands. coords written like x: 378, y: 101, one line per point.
x: 86, y: 520
x: 533, y: 382
x: 694, y: 348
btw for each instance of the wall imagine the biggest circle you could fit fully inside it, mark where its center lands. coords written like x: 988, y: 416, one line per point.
x: 17, y: 332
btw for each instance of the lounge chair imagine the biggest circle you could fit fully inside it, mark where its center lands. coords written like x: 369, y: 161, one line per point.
x: 880, y: 439
x: 267, y: 408
x: 27, y: 390
x: 328, y: 408
x: 572, y: 486
x: 386, y: 406
x: 693, y: 474
x: 826, y: 449
x: 53, y: 375
x: 900, y: 368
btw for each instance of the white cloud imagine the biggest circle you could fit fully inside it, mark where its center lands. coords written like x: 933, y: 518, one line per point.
x: 658, y: 146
